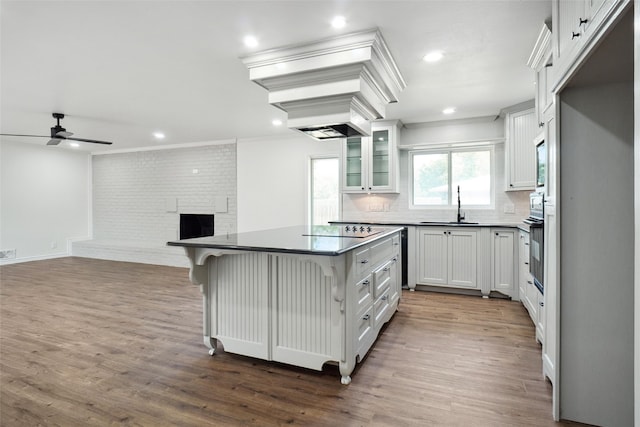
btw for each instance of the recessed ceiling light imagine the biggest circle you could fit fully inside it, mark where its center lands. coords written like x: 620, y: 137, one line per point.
x: 338, y: 22
x: 74, y: 144
x: 449, y: 110
x: 158, y: 135
x: 276, y: 122
x: 250, y: 41
x: 434, y: 56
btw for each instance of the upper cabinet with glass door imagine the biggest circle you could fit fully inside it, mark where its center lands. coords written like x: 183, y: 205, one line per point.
x: 370, y: 164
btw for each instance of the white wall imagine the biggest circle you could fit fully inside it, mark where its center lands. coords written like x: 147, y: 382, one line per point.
x: 44, y: 199
x: 273, y: 180
x: 357, y: 206
x: 597, y: 251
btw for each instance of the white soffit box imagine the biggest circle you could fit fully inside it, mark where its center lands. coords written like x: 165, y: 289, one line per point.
x: 330, y: 88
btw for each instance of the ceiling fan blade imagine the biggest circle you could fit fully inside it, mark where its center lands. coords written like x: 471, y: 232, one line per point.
x: 17, y: 134
x: 54, y: 141
x: 64, y: 134
x: 94, y: 141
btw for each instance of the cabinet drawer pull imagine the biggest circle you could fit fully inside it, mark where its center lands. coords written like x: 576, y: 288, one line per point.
x: 395, y: 259
x: 385, y: 269
x: 541, y: 303
x: 526, y: 243
x: 364, y: 261
x: 365, y: 283
x: 384, y: 297
x: 526, y: 263
x: 396, y: 244
x: 366, y: 317
x: 530, y: 282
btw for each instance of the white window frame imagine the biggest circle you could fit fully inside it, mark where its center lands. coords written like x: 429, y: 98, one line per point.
x: 453, y: 204
x: 310, y: 185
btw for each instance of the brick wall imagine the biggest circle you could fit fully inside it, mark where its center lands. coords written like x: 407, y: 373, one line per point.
x: 138, y: 196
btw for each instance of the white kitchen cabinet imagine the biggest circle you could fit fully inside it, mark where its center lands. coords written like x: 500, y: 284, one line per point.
x: 541, y: 61
x: 540, y: 319
x: 370, y: 164
x: 523, y: 266
x: 503, y: 266
x: 577, y: 27
x: 447, y: 257
x: 521, y: 127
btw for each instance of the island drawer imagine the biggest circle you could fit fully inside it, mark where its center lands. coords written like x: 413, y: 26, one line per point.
x: 363, y: 261
x: 365, y: 332
x: 363, y: 293
x: 381, y: 251
x: 381, y: 308
x: 382, y: 279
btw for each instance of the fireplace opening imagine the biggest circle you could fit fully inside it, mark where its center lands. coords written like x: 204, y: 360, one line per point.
x: 195, y: 225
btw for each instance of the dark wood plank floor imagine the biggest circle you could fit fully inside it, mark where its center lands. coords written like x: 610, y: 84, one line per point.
x: 88, y: 342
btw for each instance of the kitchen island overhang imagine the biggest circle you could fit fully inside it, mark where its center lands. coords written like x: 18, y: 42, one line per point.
x: 303, y: 295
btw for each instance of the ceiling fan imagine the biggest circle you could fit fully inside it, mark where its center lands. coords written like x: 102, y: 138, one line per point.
x: 59, y: 134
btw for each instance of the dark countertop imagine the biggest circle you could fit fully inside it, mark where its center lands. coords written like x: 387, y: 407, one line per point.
x: 303, y: 239
x: 519, y: 225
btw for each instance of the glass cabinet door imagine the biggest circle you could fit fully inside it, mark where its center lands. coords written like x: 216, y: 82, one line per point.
x: 354, y: 165
x: 380, y: 159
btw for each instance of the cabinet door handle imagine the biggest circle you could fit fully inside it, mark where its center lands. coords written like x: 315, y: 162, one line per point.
x: 526, y: 243
x: 541, y: 303
x: 385, y: 269
x: 364, y: 261
x: 395, y: 259
x: 526, y: 263
x: 582, y: 21
x: 574, y: 35
x: 497, y: 234
x: 541, y: 124
x: 366, y: 317
x: 365, y: 283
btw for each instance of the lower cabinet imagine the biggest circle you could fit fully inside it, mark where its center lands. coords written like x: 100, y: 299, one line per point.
x: 530, y: 296
x: 503, y: 265
x: 447, y: 257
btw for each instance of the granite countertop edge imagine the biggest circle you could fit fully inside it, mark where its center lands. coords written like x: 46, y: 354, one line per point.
x: 520, y: 225
x: 207, y: 243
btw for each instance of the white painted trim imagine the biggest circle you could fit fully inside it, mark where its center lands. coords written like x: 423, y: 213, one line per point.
x: 89, y: 198
x: 539, y: 53
x: 33, y: 258
x: 471, y: 143
x: 167, y: 147
x: 636, y: 143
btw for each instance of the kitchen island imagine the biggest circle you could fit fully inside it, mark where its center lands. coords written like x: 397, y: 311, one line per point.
x: 304, y: 295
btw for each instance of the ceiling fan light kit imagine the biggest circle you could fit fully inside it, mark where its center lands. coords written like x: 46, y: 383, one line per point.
x: 59, y: 134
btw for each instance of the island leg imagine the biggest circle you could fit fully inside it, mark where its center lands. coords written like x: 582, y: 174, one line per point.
x: 346, y: 369
x: 210, y: 342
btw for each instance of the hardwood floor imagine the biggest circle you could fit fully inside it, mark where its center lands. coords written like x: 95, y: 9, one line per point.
x: 87, y: 342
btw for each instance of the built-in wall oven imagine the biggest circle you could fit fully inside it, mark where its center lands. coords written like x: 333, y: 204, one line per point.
x: 536, y: 247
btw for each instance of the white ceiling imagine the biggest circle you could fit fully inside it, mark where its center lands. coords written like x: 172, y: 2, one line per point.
x: 120, y: 70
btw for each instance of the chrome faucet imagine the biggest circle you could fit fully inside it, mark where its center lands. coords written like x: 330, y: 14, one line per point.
x: 460, y: 214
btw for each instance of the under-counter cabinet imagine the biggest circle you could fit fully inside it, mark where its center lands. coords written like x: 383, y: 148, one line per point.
x: 447, y: 257
x: 370, y: 164
x: 503, y: 264
x: 530, y: 296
